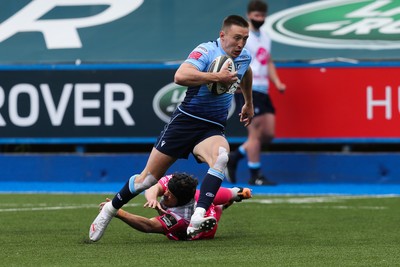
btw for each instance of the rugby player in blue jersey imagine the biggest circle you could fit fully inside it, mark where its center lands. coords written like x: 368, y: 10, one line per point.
x: 262, y: 129
x: 197, y: 126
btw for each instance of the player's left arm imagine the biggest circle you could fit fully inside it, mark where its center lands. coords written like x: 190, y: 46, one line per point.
x: 140, y: 223
x: 274, y: 77
x: 137, y: 222
x: 246, y: 84
x: 152, y: 195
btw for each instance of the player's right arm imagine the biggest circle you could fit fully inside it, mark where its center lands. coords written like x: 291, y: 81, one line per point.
x: 273, y: 75
x: 188, y: 75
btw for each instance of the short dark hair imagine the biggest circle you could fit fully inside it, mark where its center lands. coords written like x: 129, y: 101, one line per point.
x: 234, y: 20
x: 183, y: 187
x: 257, y: 5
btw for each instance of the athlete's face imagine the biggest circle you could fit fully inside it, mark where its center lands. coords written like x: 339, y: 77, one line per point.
x: 233, y: 40
x: 256, y: 19
x: 169, y: 199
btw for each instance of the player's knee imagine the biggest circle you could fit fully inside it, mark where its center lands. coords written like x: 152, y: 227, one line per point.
x: 139, y: 186
x: 222, y: 159
x: 267, y: 138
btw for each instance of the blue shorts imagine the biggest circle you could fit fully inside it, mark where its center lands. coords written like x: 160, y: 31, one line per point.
x: 183, y: 133
x: 262, y: 103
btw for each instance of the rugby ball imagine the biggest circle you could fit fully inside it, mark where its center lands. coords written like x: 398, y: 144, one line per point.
x: 215, y: 66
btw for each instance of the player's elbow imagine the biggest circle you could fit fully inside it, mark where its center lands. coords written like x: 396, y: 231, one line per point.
x: 179, y: 78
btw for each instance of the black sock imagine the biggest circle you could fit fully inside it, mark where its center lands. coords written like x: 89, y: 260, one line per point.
x: 255, y: 173
x: 208, y: 190
x: 123, y: 196
x: 236, y: 155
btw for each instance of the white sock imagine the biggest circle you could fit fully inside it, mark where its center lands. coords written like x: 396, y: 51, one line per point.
x: 235, y: 191
x: 199, y: 212
x: 111, y: 209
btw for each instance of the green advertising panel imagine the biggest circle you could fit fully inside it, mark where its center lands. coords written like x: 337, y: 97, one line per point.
x: 121, y: 31
x: 87, y: 105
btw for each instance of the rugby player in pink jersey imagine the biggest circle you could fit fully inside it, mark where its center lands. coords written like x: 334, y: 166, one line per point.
x: 178, y: 200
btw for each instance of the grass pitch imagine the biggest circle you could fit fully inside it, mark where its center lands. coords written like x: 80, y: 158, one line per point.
x: 52, y: 230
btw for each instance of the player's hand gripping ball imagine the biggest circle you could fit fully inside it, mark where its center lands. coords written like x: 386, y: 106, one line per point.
x: 216, y: 65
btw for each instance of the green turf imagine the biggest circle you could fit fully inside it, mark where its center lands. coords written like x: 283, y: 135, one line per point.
x: 52, y: 230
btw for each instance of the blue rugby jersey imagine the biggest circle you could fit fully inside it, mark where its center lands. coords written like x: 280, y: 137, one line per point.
x: 199, y: 102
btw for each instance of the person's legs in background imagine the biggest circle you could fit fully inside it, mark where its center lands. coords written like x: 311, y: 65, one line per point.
x: 260, y: 131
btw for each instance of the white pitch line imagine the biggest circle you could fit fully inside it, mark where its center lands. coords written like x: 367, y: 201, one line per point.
x: 85, y: 206
x: 342, y: 207
x: 316, y: 199
x: 46, y: 208
x: 274, y: 200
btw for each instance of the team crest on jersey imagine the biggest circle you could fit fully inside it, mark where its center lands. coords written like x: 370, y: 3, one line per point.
x: 169, y: 220
x: 243, y: 57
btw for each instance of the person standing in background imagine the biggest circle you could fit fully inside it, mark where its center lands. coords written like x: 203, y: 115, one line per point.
x: 262, y: 129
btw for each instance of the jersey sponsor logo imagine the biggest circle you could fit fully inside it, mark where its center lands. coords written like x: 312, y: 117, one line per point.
x: 262, y: 56
x: 355, y: 24
x: 203, y: 48
x: 169, y: 220
x: 63, y: 33
x: 195, y: 55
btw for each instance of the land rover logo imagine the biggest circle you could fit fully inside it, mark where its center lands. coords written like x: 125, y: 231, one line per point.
x: 356, y: 24
x: 169, y: 97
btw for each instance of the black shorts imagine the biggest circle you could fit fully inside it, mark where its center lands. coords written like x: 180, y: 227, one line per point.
x: 183, y: 133
x: 262, y: 103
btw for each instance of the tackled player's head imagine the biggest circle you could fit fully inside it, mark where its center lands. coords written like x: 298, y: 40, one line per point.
x: 183, y: 187
x: 234, y: 34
